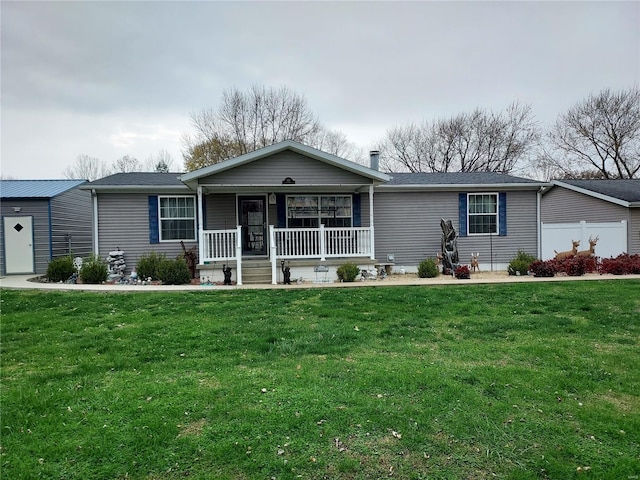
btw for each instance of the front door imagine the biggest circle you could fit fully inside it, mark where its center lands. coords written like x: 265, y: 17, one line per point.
x: 252, y: 218
x: 18, y: 244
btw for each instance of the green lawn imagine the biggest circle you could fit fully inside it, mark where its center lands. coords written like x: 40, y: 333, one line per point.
x: 527, y: 381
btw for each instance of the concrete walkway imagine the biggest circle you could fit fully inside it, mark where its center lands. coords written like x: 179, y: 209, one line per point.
x: 23, y: 282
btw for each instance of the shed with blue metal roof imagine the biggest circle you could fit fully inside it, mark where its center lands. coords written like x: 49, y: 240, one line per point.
x: 42, y: 220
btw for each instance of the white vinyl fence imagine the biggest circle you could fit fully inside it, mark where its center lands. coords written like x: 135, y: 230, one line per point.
x: 558, y: 237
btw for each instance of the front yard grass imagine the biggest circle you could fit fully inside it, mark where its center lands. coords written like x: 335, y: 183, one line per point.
x: 518, y: 381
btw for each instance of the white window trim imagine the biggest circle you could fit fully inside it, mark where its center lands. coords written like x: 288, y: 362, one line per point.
x: 195, y: 219
x: 319, y: 213
x: 497, y: 214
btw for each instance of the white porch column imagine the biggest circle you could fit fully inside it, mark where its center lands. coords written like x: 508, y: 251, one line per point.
x: 273, y: 251
x: 371, y: 232
x: 323, y: 243
x: 200, y: 225
x: 239, y: 254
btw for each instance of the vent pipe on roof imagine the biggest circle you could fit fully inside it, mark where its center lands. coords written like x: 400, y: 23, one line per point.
x: 374, y: 159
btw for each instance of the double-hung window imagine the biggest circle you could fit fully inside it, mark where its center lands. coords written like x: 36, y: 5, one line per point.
x: 482, y: 212
x: 177, y: 218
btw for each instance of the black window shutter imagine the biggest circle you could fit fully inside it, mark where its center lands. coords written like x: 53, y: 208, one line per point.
x: 462, y: 214
x: 154, y: 227
x: 502, y: 213
x: 357, y: 210
x: 281, y: 209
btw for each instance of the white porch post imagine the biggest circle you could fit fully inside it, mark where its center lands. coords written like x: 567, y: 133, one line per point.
x: 323, y: 246
x: 200, y: 225
x: 239, y: 254
x: 371, y: 232
x: 273, y: 249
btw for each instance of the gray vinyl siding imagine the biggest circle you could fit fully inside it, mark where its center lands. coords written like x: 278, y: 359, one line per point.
x: 39, y: 210
x: 123, y: 223
x: 71, y: 224
x: 274, y: 169
x: 633, y: 231
x: 560, y: 205
x: 407, y: 225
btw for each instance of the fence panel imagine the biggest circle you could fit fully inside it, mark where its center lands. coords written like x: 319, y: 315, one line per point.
x: 558, y: 237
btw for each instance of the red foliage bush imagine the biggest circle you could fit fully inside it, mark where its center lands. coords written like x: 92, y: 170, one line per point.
x: 462, y: 272
x: 623, y: 264
x: 543, y: 268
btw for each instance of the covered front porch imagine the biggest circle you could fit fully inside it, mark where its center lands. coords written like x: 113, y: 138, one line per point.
x: 320, y: 244
x: 285, y: 202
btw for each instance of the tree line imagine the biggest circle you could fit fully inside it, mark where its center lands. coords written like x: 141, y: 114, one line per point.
x: 598, y: 137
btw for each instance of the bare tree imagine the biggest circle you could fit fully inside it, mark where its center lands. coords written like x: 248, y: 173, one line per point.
x: 87, y: 168
x: 127, y: 164
x: 247, y: 121
x: 468, y: 142
x: 162, y: 163
x: 599, y: 136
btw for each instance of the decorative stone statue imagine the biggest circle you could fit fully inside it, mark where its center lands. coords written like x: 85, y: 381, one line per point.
x: 449, y: 247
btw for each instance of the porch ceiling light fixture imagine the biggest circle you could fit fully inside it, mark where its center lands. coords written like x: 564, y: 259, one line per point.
x: 288, y: 181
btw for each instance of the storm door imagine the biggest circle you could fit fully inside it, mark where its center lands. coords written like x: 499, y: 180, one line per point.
x: 252, y: 218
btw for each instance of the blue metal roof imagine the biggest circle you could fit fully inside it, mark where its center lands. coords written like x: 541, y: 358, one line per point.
x: 36, y: 188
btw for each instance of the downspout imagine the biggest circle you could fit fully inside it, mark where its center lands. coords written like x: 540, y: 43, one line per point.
x: 96, y: 243
x: 50, y: 231
x: 538, y: 219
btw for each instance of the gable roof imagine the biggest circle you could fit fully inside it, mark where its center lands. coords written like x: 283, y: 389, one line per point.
x: 137, y: 181
x: 459, y: 180
x: 43, y: 189
x: 325, y: 157
x: 625, y: 192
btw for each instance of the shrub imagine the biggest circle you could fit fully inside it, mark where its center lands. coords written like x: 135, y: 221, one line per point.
x: 520, y: 263
x: 428, y: 268
x: 623, y: 264
x: 174, y: 272
x: 60, y: 269
x: 94, y: 270
x: 148, y: 265
x: 574, y: 266
x: 543, y: 268
x: 462, y: 272
x: 347, y: 272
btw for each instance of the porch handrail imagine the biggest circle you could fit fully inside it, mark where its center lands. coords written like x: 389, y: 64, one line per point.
x: 219, y: 245
x: 223, y: 245
x: 322, y: 243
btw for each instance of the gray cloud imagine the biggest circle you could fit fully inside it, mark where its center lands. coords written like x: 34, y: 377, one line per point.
x: 79, y: 77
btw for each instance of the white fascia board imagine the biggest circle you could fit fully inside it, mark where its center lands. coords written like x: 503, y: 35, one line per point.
x: 279, y: 147
x: 591, y: 193
x: 140, y: 189
x: 465, y: 186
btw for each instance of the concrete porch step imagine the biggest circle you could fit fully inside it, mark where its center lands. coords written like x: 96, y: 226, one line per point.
x: 256, y: 272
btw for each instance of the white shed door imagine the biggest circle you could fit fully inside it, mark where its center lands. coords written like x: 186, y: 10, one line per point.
x: 18, y: 244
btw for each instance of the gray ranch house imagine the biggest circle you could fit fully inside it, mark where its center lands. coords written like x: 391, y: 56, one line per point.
x: 292, y: 205
x: 583, y: 209
x: 42, y: 220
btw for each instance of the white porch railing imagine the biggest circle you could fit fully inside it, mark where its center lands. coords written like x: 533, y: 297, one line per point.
x: 321, y: 243
x: 289, y: 243
x: 222, y: 245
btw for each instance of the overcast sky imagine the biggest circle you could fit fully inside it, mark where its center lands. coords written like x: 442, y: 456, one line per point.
x: 121, y: 78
